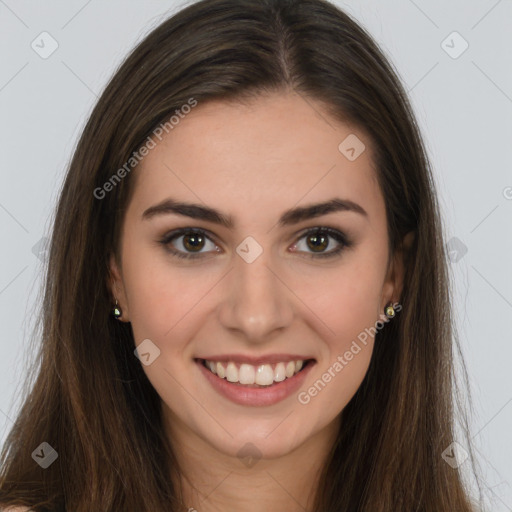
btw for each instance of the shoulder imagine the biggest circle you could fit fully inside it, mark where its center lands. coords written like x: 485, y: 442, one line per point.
x: 16, y: 509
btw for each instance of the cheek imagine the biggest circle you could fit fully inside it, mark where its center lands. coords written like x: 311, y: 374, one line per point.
x: 349, y: 313
x: 348, y: 299
x: 162, y: 297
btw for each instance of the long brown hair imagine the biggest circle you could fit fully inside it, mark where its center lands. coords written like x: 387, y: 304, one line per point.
x: 92, y: 402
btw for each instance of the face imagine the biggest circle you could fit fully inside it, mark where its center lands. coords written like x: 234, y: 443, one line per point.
x: 249, y: 278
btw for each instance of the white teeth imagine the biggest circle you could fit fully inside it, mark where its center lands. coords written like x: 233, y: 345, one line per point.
x: 246, y: 374
x: 263, y: 374
x: 279, y: 372
x: 232, y: 372
x: 221, y: 372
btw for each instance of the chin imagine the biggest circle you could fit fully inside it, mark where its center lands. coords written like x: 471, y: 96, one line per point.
x: 253, y: 442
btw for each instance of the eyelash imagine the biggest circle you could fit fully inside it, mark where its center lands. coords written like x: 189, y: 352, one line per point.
x: 340, y: 237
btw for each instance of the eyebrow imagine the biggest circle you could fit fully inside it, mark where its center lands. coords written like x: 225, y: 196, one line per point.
x: 289, y: 217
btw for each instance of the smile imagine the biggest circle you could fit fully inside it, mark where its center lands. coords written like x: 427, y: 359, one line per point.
x: 258, y: 383
x: 258, y: 375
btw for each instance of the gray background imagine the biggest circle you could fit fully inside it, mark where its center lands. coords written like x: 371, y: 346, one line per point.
x: 463, y: 105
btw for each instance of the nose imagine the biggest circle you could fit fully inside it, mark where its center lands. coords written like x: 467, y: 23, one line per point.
x: 257, y: 303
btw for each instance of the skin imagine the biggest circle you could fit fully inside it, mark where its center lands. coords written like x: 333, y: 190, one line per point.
x: 253, y: 162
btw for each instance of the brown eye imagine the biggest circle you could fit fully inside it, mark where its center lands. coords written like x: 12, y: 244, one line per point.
x: 188, y: 243
x: 317, y: 242
x: 193, y: 242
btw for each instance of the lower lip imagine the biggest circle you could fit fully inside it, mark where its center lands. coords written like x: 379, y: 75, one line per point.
x: 244, y: 395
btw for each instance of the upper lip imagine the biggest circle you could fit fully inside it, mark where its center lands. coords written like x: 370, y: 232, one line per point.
x: 257, y: 360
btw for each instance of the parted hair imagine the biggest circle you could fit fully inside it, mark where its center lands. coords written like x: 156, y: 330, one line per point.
x: 88, y: 396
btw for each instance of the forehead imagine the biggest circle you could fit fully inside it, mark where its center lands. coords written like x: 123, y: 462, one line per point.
x: 266, y: 155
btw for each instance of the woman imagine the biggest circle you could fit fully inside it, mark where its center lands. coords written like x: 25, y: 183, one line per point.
x: 247, y: 303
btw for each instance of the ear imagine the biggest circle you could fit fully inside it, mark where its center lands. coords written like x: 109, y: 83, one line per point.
x: 393, y: 285
x: 116, y: 287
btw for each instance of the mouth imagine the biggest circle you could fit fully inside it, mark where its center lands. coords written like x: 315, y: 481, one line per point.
x: 264, y: 375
